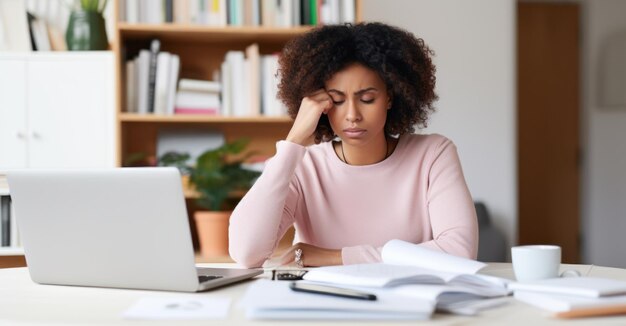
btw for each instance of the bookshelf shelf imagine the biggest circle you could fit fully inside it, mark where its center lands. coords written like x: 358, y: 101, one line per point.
x: 199, y: 33
x: 11, y: 257
x: 174, y: 119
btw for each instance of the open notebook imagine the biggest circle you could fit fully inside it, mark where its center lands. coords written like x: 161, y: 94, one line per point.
x: 406, y: 263
x: 413, y: 271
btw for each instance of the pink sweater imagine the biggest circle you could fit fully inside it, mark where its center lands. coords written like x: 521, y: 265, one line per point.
x: 418, y: 194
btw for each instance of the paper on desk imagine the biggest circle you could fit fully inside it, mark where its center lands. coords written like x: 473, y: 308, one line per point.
x: 179, y: 308
x: 274, y: 300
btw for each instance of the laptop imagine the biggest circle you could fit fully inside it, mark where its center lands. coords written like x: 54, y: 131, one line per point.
x: 118, y: 228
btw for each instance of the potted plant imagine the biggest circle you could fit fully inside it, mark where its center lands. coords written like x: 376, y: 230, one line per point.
x: 86, y: 29
x: 214, y: 176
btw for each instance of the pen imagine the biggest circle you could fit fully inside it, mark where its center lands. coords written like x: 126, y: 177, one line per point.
x: 331, y: 290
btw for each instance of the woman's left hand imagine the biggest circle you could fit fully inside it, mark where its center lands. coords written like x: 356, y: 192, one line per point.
x: 312, y: 255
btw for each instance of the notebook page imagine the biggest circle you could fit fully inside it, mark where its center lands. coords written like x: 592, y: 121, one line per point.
x: 376, y: 275
x: 400, y: 252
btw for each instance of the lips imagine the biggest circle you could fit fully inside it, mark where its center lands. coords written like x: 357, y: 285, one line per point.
x: 354, y: 132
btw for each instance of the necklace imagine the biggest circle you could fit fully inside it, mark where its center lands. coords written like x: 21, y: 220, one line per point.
x: 343, y: 155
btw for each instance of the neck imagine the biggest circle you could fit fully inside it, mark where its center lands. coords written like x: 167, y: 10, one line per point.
x: 372, y: 153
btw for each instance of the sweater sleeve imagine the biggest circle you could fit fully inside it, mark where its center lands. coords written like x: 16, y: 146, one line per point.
x: 266, y: 212
x: 450, y: 206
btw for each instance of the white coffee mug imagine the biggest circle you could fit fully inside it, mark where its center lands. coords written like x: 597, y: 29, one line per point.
x: 536, y: 262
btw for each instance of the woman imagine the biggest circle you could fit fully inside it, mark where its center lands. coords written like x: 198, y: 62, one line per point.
x: 358, y: 91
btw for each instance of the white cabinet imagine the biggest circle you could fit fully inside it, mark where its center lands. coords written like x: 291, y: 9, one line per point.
x: 12, y: 113
x: 57, y: 110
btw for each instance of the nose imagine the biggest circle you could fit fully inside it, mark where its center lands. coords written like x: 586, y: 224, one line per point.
x: 353, y: 114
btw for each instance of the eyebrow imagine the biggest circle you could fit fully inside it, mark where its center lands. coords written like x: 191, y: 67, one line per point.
x: 355, y: 93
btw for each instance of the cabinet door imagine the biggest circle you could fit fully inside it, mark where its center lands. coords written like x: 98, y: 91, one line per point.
x: 71, y: 111
x: 13, y: 127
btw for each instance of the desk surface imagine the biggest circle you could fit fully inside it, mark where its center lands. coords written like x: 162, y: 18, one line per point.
x: 23, y: 302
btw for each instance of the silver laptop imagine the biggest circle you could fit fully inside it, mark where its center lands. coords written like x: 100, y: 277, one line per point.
x: 120, y: 228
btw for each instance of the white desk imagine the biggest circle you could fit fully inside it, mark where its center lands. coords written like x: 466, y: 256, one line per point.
x: 23, y: 302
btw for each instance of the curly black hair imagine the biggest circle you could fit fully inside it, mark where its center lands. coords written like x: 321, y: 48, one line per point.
x: 401, y: 60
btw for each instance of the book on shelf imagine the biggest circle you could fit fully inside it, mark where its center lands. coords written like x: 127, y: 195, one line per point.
x: 413, y: 271
x: 155, y: 47
x: 268, y: 13
x: 5, y: 222
x: 168, y: 8
x: 195, y: 85
x: 9, y: 236
x: 226, y: 82
x: 131, y: 85
x: 235, y: 67
x: 161, y: 83
x: 38, y: 29
x: 181, y: 12
x: 165, y: 85
x: 253, y: 77
x: 270, y: 106
x: 198, y: 97
x: 16, y: 241
x: 313, y: 11
x: 197, y: 101
x: 192, y: 111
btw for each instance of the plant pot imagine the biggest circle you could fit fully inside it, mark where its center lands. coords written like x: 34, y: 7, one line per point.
x: 212, y: 230
x: 86, y: 31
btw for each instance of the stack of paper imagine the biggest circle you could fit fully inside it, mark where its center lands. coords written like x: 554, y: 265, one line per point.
x: 274, y: 300
x: 575, y: 296
x: 411, y: 271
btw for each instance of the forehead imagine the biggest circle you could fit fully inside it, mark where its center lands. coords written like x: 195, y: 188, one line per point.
x: 355, y: 77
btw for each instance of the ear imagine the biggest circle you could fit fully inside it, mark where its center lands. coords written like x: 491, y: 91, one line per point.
x: 389, y: 103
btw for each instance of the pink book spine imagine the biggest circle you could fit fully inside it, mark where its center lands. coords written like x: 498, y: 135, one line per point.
x: 210, y: 111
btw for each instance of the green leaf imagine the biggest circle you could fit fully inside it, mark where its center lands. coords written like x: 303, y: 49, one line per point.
x: 214, y: 176
x: 134, y: 158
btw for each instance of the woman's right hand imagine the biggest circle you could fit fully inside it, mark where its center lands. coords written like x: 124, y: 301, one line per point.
x: 311, y: 109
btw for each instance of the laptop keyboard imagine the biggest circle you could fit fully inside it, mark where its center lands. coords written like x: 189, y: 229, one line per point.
x: 206, y: 278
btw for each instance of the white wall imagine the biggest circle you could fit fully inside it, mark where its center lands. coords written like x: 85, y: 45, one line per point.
x: 474, y: 42
x: 604, y: 141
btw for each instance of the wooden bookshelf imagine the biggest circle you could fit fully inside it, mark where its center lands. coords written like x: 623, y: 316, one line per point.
x: 210, y: 34
x: 201, y: 49
x: 12, y: 257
